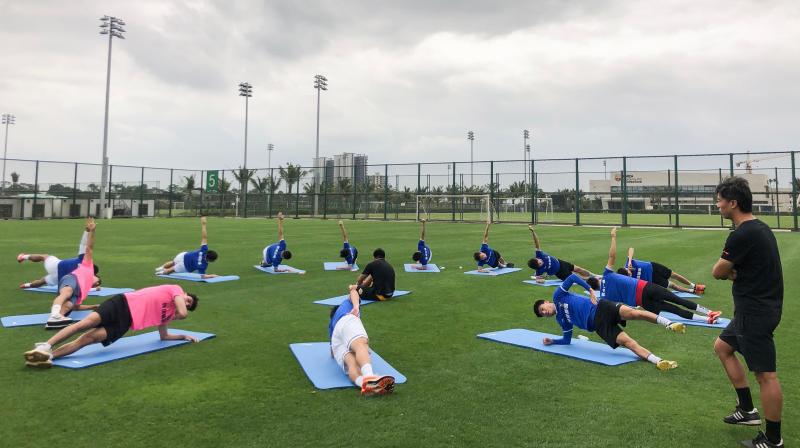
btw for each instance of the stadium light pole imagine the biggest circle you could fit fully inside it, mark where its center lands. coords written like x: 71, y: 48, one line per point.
x: 245, y: 90
x: 320, y: 83
x: 270, y: 148
x: 525, y: 135
x: 530, y: 173
x: 113, y: 27
x: 471, y: 138
x: 8, y: 119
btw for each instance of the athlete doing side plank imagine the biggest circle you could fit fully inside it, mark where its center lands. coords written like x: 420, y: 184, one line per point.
x: 545, y: 264
x: 194, y: 261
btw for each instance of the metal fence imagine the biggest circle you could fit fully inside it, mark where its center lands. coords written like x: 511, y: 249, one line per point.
x: 636, y: 190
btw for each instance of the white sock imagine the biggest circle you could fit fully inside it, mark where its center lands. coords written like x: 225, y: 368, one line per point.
x: 366, y: 370
x: 26, y: 257
x: 26, y: 285
x: 653, y: 358
x: 699, y: 318
x: 359, y: 381
x: 702, y: 309
x: 43, y: 345
x: 55, y: 311
x: 84, y: 239
x: 692, y: 285
x: 663, y: 321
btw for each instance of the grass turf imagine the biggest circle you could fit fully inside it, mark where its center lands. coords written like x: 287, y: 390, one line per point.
x: 244, y: 388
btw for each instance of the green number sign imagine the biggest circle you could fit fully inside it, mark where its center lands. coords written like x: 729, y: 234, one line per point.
x: 212, y: 181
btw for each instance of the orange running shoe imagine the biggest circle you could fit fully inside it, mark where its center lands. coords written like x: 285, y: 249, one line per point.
x: 699, y: 289
x: 372, y: 386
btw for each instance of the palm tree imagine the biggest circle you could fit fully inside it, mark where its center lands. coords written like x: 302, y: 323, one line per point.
x: 261, y: 184
x: 343, y: 185
x: 224, y: 186
x: 243, y: 175
x: 273, y: 184
x: 14, y: 178
x: 188, y: 188
x: 291, y: 174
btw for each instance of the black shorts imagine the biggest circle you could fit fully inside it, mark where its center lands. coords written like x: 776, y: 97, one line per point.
x: 565, y: 269
x: 607, y: 321
x: 653, y: 296
x: 752, y: 337
x: 369, y: 293
x: 115, y: 318
x: 661, y: 274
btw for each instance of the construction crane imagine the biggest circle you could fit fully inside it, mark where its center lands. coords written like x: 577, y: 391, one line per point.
x: 748, y: 163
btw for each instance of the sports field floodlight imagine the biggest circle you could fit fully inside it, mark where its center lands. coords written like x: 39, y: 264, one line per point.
x: 525, y: 135
x: 320, y: 83
x: 471, y: 138
x: 7, y: 119
x: 113, y: 27
x: 245, y: 90
x: 270, y: 148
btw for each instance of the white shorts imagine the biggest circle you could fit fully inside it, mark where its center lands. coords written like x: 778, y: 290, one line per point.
x: 51, y: 266
x: 348, y: 329
x: 179, y: 267
x: 264, y: 256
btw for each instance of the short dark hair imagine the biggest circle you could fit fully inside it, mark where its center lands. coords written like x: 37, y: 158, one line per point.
x: 333, y: 310
x: 343, y: 253
x: 287, y: 255
x: 477, y: 256
x: 536, y: 306
x: 379, y: 253
x: 96, y: 269
x: 532, y: 263
x: 623, y: 271
x: 416, y: 256
x: 194, y: 302
x: 737, y: 189
x: 212, y: 255
x: 594, y: 283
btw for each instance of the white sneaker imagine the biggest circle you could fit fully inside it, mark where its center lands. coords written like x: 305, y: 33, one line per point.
x: 58, y: 321
x: 41, y: 352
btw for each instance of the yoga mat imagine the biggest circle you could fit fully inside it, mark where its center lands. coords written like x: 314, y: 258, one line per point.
x: 126, y: 347
x: 685, y: 295
x: 555, y: 283
x: 320, y: 367
x: 494, y: 272
x: 104, y: 291
x: 578, y: 349
x: 721, y: 321
x: 37, y: 319
x: 332, y: 265
x: 430, y: 267
x: 335, y: 301
x: 192, y: 277
x: 271, y: 270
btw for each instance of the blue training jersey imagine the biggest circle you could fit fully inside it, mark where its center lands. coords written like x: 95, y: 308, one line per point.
x: 67, y: 266
x: 573, y: 309
x: 643, y: 270
x: 425, y: 253
x: 274, y: 253
x: 618, y: 288
x: 550, y: 264
x: 343, y: 309
x: 491, y: 256
x: 196, y: 260
x: 352, y: 253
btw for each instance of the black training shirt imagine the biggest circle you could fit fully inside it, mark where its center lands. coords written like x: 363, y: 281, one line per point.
x: 382, y: 276
x: 753, y: 250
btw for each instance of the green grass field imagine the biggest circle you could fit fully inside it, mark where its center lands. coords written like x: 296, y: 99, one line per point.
x: 244, y: 388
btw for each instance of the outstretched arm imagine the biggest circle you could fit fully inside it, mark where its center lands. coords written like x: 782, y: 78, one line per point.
x: 90, y: 226
x: 355, y: 299
x: 486, y: 232
x: 565, y: 339
x: 612, y: 251
x: 422, y: 234
x: 629, y: 265
x: 345, y: 238
x: 535, y: 238
x: 203, y: 232
x: 166, y: 336
x: 280, y: 226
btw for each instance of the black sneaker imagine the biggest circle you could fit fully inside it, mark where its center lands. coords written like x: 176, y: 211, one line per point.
x: 741, y: 417
x: 509, y: 265
x: 761, y: 441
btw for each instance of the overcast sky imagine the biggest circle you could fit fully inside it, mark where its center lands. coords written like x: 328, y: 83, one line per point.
x: 407, y: 79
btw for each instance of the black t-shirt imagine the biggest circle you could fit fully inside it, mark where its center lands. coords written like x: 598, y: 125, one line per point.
x: 382, y: 276
x: 753, y: 250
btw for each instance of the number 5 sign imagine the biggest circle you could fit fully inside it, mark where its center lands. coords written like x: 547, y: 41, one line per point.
x: 212, y: 181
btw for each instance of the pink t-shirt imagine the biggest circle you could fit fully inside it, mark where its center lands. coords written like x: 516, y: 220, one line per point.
x: 154, y: 306
x: 84, y: 273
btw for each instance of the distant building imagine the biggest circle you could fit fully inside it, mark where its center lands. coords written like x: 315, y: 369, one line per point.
x: 346, y: 165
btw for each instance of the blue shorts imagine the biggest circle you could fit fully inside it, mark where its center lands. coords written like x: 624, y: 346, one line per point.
x: 71, y: 281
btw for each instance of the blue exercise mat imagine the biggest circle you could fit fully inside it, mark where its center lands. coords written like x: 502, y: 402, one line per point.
x: 685, y: 295
x: 579, y: 349
x: 126, y: 347
x: 721, y: 321
x: 332, y: 265
x: 494, y: 272
x: 336, y: 301
x: 192, y: 277
x: 37, y: 319
x: 555, y: 283
x: 430, y: 267
x: 104, y: 291
x: 320, y: 367
x: 271, y: 270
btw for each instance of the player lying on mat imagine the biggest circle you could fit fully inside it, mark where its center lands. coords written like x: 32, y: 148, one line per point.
x: 545, y: 264
x: 194, y: 261
x: 489, y: 257
x: 348, y: 252
x: 137, y: 310
x: 56, y: 268
x: 603, y: 317
x: 275, y: 253
x: 350, y: 347
x: 75, y: 286
x: 659, y: 274
x: 376, y: 281
x: 423, y: 254
x: 650, y: 296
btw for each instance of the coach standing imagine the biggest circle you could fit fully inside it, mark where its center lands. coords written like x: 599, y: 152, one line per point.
x: 751, y: 260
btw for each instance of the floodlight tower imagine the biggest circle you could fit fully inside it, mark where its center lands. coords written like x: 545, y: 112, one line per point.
x: 245, y: 90
x: 525, y: 147
x: 7, y: 120
x: 113, y: 27
x: 320, y: 83
x: 471, y: 138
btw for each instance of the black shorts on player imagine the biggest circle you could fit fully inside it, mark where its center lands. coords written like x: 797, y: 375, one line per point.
x: 115, y: 318
x: 752, y: 336
x: 661, y: 274
x: 607, y: 321
x: 370, y: 293
x: 565, y: 269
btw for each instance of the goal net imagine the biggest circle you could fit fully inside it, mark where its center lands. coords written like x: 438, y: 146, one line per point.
x: 465, y: 207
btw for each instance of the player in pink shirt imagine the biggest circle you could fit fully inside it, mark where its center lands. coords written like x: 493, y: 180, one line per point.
x: 156, y: 306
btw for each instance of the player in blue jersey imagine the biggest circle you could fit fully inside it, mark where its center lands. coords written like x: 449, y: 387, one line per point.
x: 603, y: 317
x: 193, y: 261
x: 650, y: 296
x: 489, y: 257
x: 273, y: 254
x: 423, y: 254
x: 350, y: 347
x: 545, y: 264
x: 348, y: 252
x: 658, y: 274
x: 56, y: 268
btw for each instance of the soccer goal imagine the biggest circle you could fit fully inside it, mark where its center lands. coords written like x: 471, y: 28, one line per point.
x: 464, y: 207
